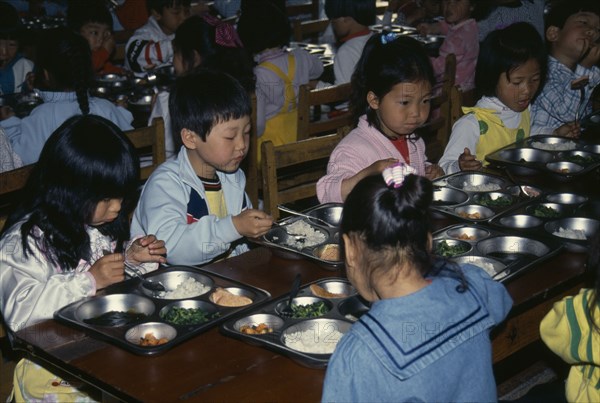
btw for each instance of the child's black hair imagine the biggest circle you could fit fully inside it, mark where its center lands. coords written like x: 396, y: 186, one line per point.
x: 86, y: 160
x: 159, y: 5
x: 560, y: 12
x: 383, y: 65
x: 363, y: 11
x: 263, y: 26
x: 10, y: 23
x: 204, y: 98
x: 80, y: 13
x: 504, y: 50
x: 67, y: 58
x: 197, y: 35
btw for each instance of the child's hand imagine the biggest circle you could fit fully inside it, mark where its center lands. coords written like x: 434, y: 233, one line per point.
x: 592, y: 57
x: 252, y: 223
x: 146, y: 249
x: 6, y: 112
x: 433, y: 171
x: 108, y: 42
x: 570, y: 130
x: 424, y: 28
x: 109, y: 269
x: 378, y: 166
x: 468, y: 162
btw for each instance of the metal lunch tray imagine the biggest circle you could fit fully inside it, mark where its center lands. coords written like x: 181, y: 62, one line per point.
x: 561, y: 157
x: 287, y: 246
x: 342, y: 313
x: 451, y: 198
x: 503, y: 254
x: 131, y: 297
x: 551, y: 212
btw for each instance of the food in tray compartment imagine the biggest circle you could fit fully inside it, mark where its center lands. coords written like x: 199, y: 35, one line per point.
x: 501, y: 201
x: 570, y: 233
x: 261, y: 328
x: 188, y: 316
x: 580, y: 159
x: 467, y: 237
x: 224, y: 297
x: 115, y: 318
x: 563, y: 146
x: 471, y: 216
x: 307, y: 341
x: 484, y: 187
x: 330, y: 252
x: 321, y: 292
x: 309, y: 311
x: 187, y: 289
x: 150, y: 340
x: 545, y: 212
x: 310, y: 236
x: 446, y: 250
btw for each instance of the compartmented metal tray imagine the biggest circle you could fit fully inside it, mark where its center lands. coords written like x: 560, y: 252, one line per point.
x: 575, y: 214
x: 560, y: 157
x: 298, y: 338
x: 502, y: 254
x: 477, y: 196
x: 126, y: 317
x: 296, y: 237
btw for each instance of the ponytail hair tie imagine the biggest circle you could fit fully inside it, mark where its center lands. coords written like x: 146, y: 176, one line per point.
x: 225, y: 33
x: 394, y: 176
x: 388, y: 37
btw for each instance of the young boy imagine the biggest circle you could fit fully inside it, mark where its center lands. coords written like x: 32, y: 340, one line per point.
x: 15, y: 70
x: 150, y: 46
x: 93, y: 21
x: 572, y: 32
x: 197, y: 202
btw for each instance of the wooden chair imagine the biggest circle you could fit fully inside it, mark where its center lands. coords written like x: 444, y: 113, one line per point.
x: 290, y: 172
x: 307, y: 98
x: 149, y: 141
x: 310, y: 7
x: 311, y: 29
x: 252, y: 169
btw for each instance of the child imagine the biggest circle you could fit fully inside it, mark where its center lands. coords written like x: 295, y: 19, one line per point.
x: 503, y: 13
x: 350, y: 21
x: 150, y: 46
x: 573, y: 28
x: 8, y: 159
x: 461, y: 39
x: 391, y: 88
x: 265, y: 31
x: 510, y: 68
x: 93, y: 21
x: 53, y: 248
x: 197, y: 203
x: 203, y: 41
x: 427, y: 321
x: 15, y: 70
x: 64, y: 75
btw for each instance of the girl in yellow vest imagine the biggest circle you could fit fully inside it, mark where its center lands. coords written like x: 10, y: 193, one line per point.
x: 510, y: 69
x: 265, y: 31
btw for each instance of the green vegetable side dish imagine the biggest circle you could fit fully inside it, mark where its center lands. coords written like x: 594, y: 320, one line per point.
x: 580, y: 159
x: 545, y: 212
x: 309, y: 311
x: 188, y: 316
x: 486, y: 200
x: 445, y: 250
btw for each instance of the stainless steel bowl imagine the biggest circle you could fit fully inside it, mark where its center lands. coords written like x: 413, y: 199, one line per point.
x: 338, y: 287
x: 472, y: 233
x: 490, y: 266
x: 593, y: 148
x: 330, y: 252
x: 280, y: 236
x: 438, y: 245
x: 474, y: 179
x: 302, y: 301
x: 481, y: 197
x: 590, y: 209
x: 588, y: 226
x: 510, y: 248
x: 274, y: 322
x: 242, y: 292
x: 115, y: 302
x: 172, y: 278
x: 552, y: 143
x: 471, y: 210
x: 520, y: 221
x: 566, y: 198
x: 159, y: 330
x: 331, y: 214
x: 526, y: 155
x: 564, y: 167
x: 353, y: 308
x: 206, y: 307
x: 314, y: 336
x: 558, y: 208
x: 144, y: 100
x: 448, y: 197
x: 579, y: 157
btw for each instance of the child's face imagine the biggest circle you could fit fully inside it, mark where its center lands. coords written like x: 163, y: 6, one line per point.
x: 580, y: 31
x: 225, y: 147
x: 95, y: 33
x: 8, y: 51
x: 171, y: 18
x: 517, y: 90
x: 456, y: 11
x: 403, y: 109
x: 107, y: 210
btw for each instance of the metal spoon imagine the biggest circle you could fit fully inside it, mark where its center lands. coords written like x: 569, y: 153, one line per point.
x: 287, y: 311
x: 147, y: 284
x: 294, y: 212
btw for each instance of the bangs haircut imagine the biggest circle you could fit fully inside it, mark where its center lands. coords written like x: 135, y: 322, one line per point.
x: 263, y: 25
x: 204, y: 98
x: 362, y: 11
x: 10, y: 22
x: 160, y: 5
x: 80, y: 13
x: 504, y: 50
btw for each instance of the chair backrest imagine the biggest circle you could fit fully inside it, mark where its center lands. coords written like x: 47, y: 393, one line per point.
x: 290, y: 171
x: 11, y: 183
x: 309, y: 105
x: 309, y: 7
x: 149, y: 141
x: 253, y: 181
x: 311, y: 29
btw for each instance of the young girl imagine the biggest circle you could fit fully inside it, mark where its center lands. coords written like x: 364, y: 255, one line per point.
x: 63, y: 74
x: 427, y: 321
x: 572, y: 329
x: 53, y: 249
x: 510, y: 69
x: 391, y: 88
x: 461, y: 39
x: 203, y: 41
x: 265, y: 31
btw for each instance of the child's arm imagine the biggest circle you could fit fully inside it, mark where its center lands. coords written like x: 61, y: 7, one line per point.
x: 465, y: 134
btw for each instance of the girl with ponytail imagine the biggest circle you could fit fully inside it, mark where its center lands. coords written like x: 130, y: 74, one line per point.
x: 63, y: 77
x: 429, y: 319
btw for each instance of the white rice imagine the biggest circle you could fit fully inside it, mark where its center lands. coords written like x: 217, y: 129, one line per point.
x: 309, y: 342
x: 570, y: 233
x: 484, y: 187
x: 311, y: 237
x: 565, y: 146
x: 187, y: 289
